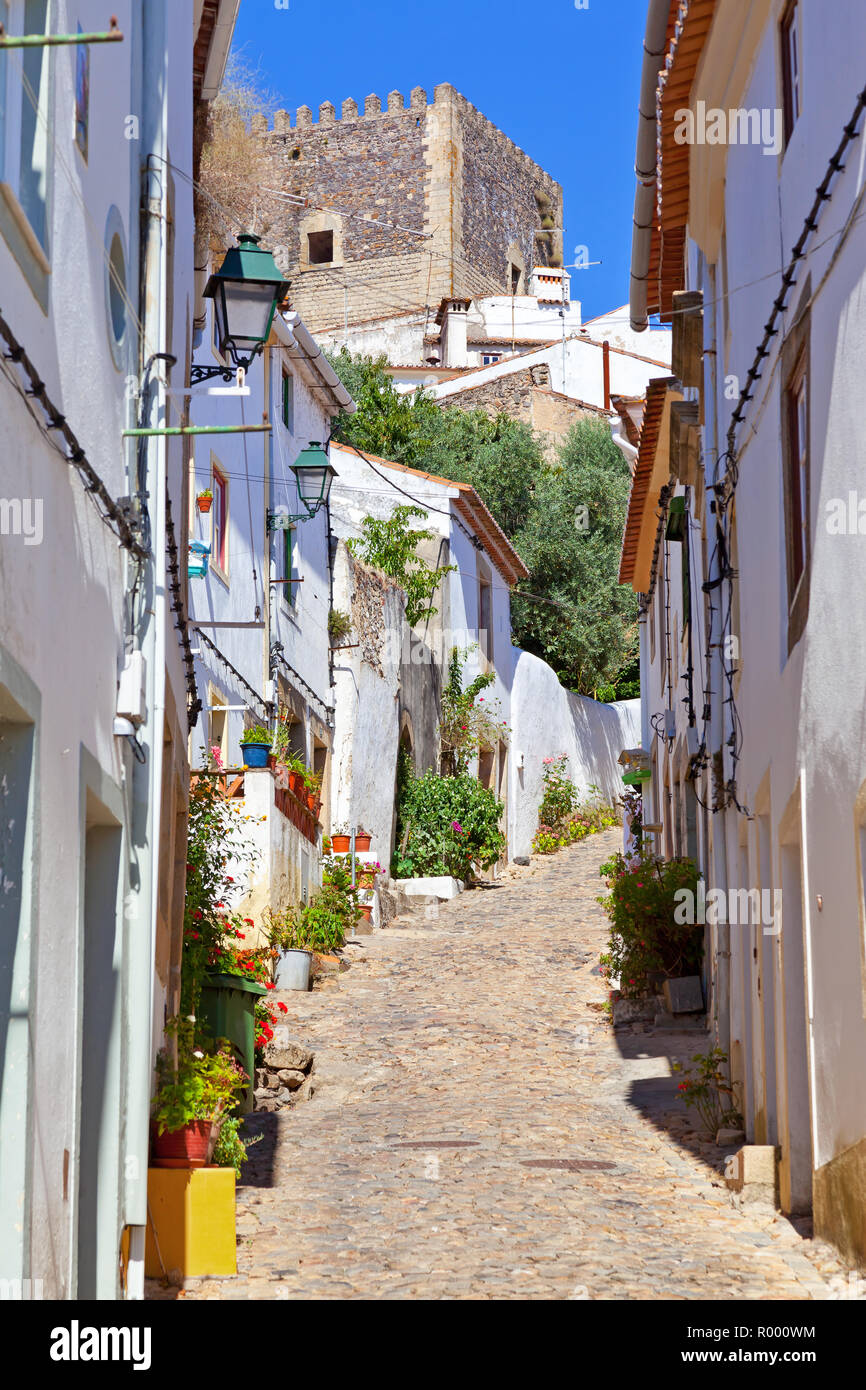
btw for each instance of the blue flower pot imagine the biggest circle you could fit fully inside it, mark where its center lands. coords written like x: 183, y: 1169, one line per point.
x: 255, y: 754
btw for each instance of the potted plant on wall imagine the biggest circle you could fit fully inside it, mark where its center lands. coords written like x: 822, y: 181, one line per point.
x: 256, y: 744
x: 362, y: 840
x: 340, y: 840
x: 204, y: 500
x: 313, y: 783
x: 195, y: 1090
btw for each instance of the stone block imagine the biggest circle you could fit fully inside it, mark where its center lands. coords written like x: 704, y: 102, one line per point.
x: 292, y: 1078
x: 350, y: 109
x: 684, y: 996
x: 372, y: 105
x: 753, y: 1171
x: 282, y: 1052
x: 633, y: 1011
x: 728, y: 1137
x: 441, y: 887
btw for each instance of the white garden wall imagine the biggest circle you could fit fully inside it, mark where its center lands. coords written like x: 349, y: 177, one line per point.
x: 548, y: 719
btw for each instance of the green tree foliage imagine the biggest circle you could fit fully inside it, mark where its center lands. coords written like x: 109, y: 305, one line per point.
x: 575, y: 615
x: 571, y: 545
x: 390, y: 546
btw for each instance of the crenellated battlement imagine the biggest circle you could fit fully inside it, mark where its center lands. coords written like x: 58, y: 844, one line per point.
x: 376, y: 108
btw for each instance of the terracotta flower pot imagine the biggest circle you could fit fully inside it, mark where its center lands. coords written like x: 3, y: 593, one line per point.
x: 366, y: 880
x: 204, y: 503
x: 367, y: 912
x: 340, y: 844
x: 311, y: 801
x: 362, y: 842
x: 182, y: 1148
x: 296, y: 783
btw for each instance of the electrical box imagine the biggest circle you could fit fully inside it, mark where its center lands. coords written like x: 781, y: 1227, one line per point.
x: 131, y: 694
x: 670, y: 723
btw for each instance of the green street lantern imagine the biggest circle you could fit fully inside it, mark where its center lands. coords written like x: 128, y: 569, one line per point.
x: 314, y: 474
x: 246, y: 291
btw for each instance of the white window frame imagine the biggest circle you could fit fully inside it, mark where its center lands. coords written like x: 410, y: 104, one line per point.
x: 31, y: 253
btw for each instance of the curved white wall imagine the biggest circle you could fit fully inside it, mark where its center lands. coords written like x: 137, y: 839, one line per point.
x: 547, y: 719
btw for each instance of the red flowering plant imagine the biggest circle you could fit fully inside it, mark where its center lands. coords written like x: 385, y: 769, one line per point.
x: 215, y: 841
x: 646, y: 938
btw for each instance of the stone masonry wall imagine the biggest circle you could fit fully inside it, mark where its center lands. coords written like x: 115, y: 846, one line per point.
x: 500, y: 190
x: 525, y: 395
x: 379, y: 177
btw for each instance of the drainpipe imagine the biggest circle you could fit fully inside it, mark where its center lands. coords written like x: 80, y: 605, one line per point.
x: 627, y: 449
x: 147, y: 777
x: 605, y: 368
x: 645, y: 165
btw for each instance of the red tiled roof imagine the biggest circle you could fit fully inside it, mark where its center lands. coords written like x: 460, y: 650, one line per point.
x: 470, y: 507
x: 638, y: 499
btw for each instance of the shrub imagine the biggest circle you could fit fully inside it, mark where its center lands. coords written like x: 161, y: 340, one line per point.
x: 644, y: 937
x: 559, y: 797
x: 446, y: 825
x: 259, y: 733
x: 706, y: 1087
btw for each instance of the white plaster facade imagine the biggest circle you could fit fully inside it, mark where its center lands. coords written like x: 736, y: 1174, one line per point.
x: 93, y: 843
x: 790, y: 1000
x: 548, y: 720
x: 270, y: 647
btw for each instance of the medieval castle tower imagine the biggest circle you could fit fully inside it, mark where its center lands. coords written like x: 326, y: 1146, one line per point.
x: 385, y: 213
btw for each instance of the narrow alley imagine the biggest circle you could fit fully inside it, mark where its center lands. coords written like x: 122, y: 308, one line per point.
x: 479, y: 1131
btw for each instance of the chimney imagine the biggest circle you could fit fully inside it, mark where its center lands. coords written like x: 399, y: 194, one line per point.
x: 452, y: 337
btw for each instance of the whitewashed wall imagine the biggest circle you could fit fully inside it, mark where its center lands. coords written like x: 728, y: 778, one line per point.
x: 547, y: 720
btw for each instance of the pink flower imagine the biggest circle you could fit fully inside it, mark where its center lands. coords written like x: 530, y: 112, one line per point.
x: 216, y: 755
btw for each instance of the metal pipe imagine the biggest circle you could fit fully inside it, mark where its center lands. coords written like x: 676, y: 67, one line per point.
x: 605, y: 370
x: 147, y: 777
x: 645, y: 164
x: 196, y: 429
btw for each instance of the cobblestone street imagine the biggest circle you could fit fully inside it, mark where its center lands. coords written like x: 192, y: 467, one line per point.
x: 479, y: 1131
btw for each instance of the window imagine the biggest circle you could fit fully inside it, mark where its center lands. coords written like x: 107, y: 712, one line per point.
x: 218, y: 724
x: 791, y: 84
x: 797, y: 461
x: 488, y: 358
x: 289, y: 590
x: 485, y: 620
x: 320, y: 247
x: 288, y: 401
x: 220, y: 524
x: 24, y: 123
x: 515, y: 276
x: 795, y: 466
x: 116, y: 296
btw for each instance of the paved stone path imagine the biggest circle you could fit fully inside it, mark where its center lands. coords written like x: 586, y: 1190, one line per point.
x: 480, y: 1131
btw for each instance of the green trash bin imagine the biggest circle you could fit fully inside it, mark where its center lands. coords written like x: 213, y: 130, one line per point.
x: 227, y: 1009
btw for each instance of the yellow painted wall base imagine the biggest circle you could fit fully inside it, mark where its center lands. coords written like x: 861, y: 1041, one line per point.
x: 193, y: 1213
x: 839, y: 1191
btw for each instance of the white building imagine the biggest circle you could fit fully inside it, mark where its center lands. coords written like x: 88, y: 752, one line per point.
x: 260, y: 613
x: 473, y: 614
x: 93, y: 844
x: 754, y: 454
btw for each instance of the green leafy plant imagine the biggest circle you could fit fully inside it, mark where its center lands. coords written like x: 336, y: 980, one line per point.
x: 339, y: 625
x: 445, y: 825
x: 390, y: 545
x: 230, y: 1150
x: 708, y: 1089
x: 216, y: 835
x: 205, y: 495
x: 194, y: 1084
x: 259, y: 733
x: 645, y: 938
x: 559, y: 794
x: 470, y: 721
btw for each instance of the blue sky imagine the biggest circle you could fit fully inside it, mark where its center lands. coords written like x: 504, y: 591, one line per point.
x: 565, y: 88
